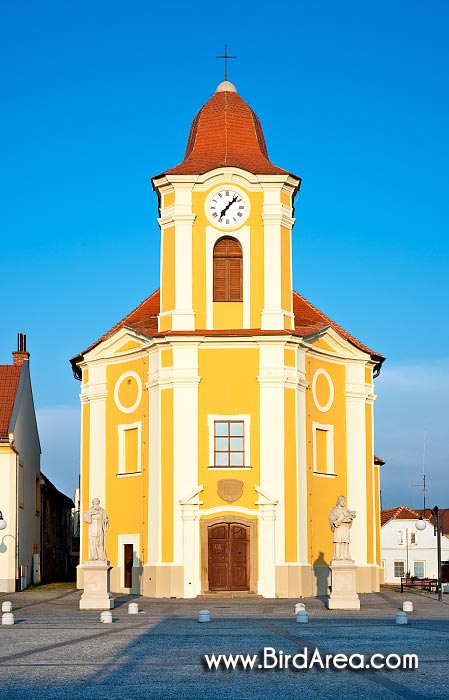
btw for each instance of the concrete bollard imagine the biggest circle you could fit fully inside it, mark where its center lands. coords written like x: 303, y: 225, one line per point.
x: 407, y: 606
x: 106, y: 617
x: 299, y: 606
x: 302, y: 616
x: 401, y: 618
x: 204, y: 616
x: 133, y: 609
x: 7, y: 618
x: 6, y: 606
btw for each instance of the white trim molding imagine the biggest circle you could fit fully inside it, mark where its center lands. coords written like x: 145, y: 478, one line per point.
x: 243, y: 237
x: 246, y: 418
x: 121, y: 430
x: 120, y: 380
x: 323, y: 407
x: 329, y: 430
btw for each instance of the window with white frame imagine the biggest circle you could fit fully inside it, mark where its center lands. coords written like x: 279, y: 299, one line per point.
x: 229, y: 442
x: 383, y: 564
x: 399, y: 568
x: 130, y: 448
x: 323, y: 448
x: 419, y: 569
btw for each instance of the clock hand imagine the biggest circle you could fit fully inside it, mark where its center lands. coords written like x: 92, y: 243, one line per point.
x: 223, y: 211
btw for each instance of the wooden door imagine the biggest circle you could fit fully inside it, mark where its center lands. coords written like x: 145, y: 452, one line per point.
x: 128, y: 564
x: 228, y: 557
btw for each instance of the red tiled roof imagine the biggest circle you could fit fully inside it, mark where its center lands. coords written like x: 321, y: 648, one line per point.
x: 398, y: 513
x: 9, y: 382
x: 226, y: 132
x: 308, y: 321
x: 378, y: 460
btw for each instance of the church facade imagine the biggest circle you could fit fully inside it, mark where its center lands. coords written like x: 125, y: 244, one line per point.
x: 222, y: 418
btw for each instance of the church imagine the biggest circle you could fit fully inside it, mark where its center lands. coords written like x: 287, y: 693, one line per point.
x: 223, y: 417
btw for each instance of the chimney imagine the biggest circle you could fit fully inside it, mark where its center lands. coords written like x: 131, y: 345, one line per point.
x: 21, y: 353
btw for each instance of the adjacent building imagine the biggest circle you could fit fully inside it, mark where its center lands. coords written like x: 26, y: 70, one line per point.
x: 407, y: 551
x: 20, y: 500
x: 224, y: 415
x: 56, y: 533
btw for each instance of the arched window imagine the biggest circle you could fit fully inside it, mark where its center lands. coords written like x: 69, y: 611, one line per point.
x: 228, y: 267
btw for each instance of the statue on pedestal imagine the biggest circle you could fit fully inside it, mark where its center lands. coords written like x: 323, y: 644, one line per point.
x: 98, y: 527
x: 340, y: 520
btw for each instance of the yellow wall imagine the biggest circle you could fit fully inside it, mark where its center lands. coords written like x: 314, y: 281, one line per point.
x: 286, y: 282
x: 323, y: 491
x: 228, y: 387
x: 228, y: 314
x: 168, y: 270
x: 369, y: 482
x: 122, y: 490
x: 84, y: 495
x: 290, y: 482
x: 377, y: 507
x: 167, y: 474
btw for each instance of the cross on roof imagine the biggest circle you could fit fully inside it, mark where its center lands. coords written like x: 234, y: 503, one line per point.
x: 226, y: 57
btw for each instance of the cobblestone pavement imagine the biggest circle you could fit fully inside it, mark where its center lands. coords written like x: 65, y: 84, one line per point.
x: 57, y: 652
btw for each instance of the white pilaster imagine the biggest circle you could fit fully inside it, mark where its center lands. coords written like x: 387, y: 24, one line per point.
x: 185, y: 382
x: 355, y: 392
x: 275, y: 215
x: 190, y: 514
x: 267, y: 543
x: 180, y: 216
x: 272, y: 381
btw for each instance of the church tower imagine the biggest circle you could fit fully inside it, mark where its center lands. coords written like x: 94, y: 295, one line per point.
x: 222, y: 418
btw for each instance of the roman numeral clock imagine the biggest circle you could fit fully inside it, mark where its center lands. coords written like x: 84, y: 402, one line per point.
x: 227, y: 208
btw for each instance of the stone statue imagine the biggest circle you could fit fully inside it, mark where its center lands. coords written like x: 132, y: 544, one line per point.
x: 340, y: 520
x: 98, y: 527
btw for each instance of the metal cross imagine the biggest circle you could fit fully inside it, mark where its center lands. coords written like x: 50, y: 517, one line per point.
x: 226, y: 57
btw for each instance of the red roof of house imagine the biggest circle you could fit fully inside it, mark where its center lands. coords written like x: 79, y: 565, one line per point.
x: 9, y: 382
x: 398, y: 513
x: 308, y: 321
x: 226, y: 132
x: 378, y: 460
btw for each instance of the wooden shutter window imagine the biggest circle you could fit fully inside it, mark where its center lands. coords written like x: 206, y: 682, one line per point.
x: 228, y: 270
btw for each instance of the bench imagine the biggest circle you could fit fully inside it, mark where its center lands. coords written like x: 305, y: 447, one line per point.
x: 428, y: 584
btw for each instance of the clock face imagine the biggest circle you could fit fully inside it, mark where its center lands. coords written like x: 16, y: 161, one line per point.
x: 227, y: 209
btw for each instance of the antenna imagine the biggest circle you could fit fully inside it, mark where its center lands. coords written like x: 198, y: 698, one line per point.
x: 424, y: 470
x: 424, y: 482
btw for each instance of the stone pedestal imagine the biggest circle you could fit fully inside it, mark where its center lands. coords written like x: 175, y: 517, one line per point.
x: 343, y: 586
x: 97, y: 586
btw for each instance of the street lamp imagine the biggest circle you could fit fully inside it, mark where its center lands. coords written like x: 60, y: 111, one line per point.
x: 438, y: 531
x: 3, y: 523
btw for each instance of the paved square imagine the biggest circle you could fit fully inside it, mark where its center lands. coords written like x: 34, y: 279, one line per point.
x: 55, y: 651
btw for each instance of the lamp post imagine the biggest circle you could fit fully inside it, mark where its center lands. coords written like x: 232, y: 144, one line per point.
x: 3, y: 523
x: 438, y: 531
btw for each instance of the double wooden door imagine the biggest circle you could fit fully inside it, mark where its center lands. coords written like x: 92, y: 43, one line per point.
x: 228, y: 557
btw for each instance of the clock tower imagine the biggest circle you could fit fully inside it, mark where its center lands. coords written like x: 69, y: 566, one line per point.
x: 226, y: 221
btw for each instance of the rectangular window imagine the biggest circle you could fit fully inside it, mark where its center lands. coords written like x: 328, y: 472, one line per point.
x: 229, y: 443
x: 323, y: 449
x: 398, y: 569
x: 129, y: 448
x: 419, y: 569
x: 383, y: 563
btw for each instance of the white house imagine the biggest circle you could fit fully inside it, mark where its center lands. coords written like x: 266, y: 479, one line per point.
x: 19, y: 475
x: 405, y: 549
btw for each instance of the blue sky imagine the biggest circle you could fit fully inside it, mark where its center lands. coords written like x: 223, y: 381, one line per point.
x: 98, y: 97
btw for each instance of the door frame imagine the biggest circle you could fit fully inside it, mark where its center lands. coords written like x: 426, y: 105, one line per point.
x: 205, y: 524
